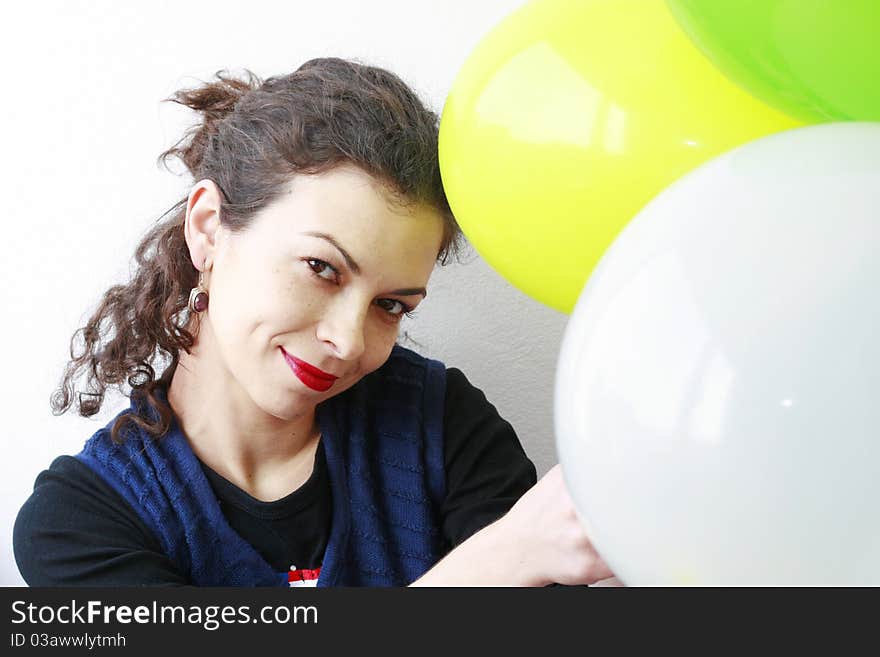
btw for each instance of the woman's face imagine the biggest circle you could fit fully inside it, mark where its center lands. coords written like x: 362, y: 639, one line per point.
x: 309, y: 298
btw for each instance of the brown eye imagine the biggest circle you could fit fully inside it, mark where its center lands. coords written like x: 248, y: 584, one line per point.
x: 322, y: 269
x: 393, y: 307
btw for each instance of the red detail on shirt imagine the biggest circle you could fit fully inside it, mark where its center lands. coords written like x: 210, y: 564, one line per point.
x: 303, y: 574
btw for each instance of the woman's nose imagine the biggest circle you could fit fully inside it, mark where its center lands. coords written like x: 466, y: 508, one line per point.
x: 343, y: 331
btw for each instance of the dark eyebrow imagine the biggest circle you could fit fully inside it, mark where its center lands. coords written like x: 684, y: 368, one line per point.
x: 348, y: 259
x: 410, y: 291
x: 404, y: 292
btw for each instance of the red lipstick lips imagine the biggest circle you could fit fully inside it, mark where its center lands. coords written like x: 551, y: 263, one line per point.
x: 309, y: 374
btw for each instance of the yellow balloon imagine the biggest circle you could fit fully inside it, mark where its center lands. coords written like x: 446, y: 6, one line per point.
x: 570, y: 116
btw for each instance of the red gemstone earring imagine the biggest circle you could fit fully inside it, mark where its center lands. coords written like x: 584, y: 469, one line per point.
x: 198, y: 297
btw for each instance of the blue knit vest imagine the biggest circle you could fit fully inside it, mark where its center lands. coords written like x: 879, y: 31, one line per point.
x: 383, y: 440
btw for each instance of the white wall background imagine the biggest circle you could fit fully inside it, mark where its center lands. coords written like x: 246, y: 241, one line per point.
x: 82, y: 126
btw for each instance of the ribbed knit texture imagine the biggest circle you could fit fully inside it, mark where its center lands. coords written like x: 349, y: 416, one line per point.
x: 383, y: 439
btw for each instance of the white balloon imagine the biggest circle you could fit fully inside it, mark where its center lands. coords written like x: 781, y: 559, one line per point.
x: 717, y: 400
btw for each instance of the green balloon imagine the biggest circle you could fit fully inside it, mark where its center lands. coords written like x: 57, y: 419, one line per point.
x: 812, y: 59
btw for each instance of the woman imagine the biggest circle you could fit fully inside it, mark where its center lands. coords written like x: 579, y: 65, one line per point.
x: 289, y: 439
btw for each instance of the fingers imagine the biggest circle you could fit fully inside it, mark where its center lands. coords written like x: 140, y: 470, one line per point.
x: 601, y: 571
x: 609, y: 581
x: 551, y: 536
x: 593, y: 567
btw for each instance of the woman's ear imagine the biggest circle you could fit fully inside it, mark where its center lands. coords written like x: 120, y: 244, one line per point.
x: 202, y: 222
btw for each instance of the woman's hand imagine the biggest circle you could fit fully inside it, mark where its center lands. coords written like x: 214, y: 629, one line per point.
x: 553, y: 544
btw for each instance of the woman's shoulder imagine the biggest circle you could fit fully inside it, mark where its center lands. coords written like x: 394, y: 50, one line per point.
x: 406, y: 380
x: 460, y: 388
x: 459, y: 394
x: 70, y: 494
x: 69, y: 481
x: 70, y: 524
x: 405, y: 363
x: 472, y: 423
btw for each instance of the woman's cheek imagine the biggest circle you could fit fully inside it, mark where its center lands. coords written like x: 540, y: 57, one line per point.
x: 304, y: 297
x: 389, y: 338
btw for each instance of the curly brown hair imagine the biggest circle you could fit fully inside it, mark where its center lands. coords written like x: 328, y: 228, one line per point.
x: 253, y: 137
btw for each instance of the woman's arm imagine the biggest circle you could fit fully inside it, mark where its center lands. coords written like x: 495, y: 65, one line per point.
x: 506, y: 527
x: 538, y: 542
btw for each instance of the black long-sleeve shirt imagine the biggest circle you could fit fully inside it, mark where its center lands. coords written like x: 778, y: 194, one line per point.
x: 75, y: 530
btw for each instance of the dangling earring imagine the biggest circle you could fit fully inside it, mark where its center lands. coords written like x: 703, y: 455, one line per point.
x: 198, y: 297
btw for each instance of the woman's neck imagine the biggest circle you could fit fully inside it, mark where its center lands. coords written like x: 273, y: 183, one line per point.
x: 265, y: 456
